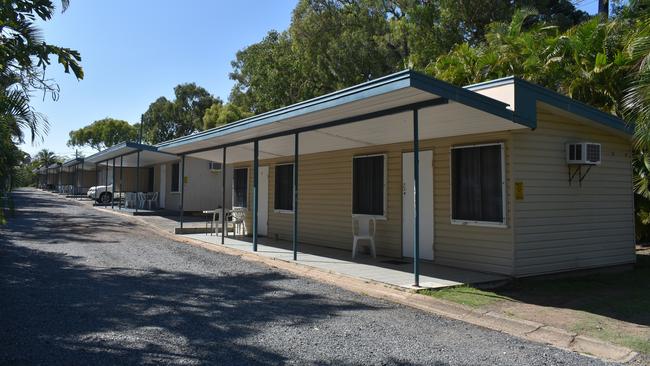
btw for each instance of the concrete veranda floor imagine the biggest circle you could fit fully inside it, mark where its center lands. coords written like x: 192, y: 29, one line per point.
x: 396, y: 272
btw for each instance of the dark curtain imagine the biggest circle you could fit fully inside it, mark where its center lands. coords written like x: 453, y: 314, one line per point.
x: 175, y: 174
x: 476, y: 181
x: 284, y: 187
x: 240, y: 185
x: 368, y: 185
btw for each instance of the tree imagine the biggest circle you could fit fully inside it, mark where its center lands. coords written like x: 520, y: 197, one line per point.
x: 190, y: 105
x: 103, y: 133
x: 585, y: 62
x: 333, y: 44
x: 267, y: 75
x: 46, y: 157
x: 219, y: 114
x: 166, y: 120
x: 24, y: 56
x: 211, y: 116
x: 159, y: 121
x: 509, y: 49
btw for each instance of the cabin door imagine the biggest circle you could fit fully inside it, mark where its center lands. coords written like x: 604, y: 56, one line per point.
x: 426, y: 204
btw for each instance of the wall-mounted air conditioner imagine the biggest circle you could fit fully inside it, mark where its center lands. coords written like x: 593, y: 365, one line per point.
x: 583, y: 153
x: 215, y: 167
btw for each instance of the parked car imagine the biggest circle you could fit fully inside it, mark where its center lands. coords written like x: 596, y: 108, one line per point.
x: 101, y: 194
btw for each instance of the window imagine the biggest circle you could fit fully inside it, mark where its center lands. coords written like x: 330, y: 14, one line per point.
x: 477, y: 180
x: 284, y: 187
x: 175, y: 177
x: 368, y: 181
x: 240, y: 187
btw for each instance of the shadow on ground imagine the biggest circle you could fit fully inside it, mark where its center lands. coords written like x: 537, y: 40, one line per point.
x: 56, y: 310
x: 622, y: 295
x: 36, y: 219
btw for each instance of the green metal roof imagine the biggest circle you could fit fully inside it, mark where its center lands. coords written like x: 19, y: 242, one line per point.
x: 400, y: 80
x: 528, y: 94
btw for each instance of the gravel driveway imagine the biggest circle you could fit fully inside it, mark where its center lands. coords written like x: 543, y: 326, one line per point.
x: 78, y: 286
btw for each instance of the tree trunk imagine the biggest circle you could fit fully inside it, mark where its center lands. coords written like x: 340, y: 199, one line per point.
x: 603, y: 8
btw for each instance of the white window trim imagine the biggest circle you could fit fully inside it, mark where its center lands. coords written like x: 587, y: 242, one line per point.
x: 281, y: 210
x: 233, y: 187
x: 494, y: 224
x: 179, y: 179
x: 384, y: 216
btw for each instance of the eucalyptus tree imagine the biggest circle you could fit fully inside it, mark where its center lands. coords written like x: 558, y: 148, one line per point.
x: 168, y: 119
x: 103, y: 133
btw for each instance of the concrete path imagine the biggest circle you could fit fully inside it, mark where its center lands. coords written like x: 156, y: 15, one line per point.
x: 83, y: 287
x: 381, y: 269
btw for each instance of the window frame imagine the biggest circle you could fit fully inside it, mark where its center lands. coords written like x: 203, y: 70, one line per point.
x: 293, y: 203
x: 504, y: 207
x: 232, y: 202
x: 384, y: 215
x: 171, y: 178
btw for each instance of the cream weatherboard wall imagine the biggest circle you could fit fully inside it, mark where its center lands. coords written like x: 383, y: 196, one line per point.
x: 561, y: 227
x: 202, y: 187
x: 129, y: 181
x: 325, y: 208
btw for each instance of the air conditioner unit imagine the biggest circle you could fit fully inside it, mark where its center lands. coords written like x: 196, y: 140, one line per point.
x: 583, y: 153
x: 215, y: 167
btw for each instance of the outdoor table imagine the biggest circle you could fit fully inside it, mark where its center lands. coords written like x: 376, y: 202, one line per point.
x: 207, y: 214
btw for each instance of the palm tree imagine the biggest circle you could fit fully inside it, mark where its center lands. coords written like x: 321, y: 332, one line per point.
x: 46, y: 157
x: 509, y: 49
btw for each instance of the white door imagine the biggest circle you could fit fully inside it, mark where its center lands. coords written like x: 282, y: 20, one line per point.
x: 163, y: 185
x: 263, y: 201
x: 426, y: 204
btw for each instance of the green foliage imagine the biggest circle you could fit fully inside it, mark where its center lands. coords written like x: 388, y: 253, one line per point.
x: 333, y: 44
x: 103, y: 133
x: 267, y: 75
x: 166, y: 120
x: 24, y: 56
x: 46, y: 157
x: 159, y: 121
x: 219, y: 114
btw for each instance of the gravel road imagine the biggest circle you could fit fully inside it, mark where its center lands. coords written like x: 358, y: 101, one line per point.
x: 78, y: 287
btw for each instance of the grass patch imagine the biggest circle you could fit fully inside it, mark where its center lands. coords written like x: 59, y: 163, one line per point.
x: 601, y: 305
x: 609, y: 333
x: 465, y: 295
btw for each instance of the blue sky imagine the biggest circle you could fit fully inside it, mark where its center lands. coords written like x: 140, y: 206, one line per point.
x: 136, y: 51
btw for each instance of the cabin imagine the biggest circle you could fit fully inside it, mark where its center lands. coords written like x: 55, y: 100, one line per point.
x: 504, y: 177
x: 132, y: 168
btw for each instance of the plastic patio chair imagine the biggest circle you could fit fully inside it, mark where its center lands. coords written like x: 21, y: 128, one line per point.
x: 130, y: 200
x: 361, y: 230
x: 141, y: 199
x: 238, y: 215
x: 152, y: 201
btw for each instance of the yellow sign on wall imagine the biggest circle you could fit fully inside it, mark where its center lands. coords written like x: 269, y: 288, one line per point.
x: 519, y: 190
x: 186, y: 179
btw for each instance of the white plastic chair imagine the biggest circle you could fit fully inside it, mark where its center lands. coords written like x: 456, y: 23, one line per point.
x: 130, y: 200
x: 238, y: 215
x: 361, y: 230
x: 141, y: 200
x: 152, y: 201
